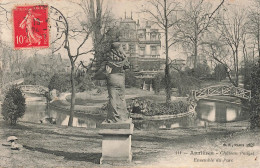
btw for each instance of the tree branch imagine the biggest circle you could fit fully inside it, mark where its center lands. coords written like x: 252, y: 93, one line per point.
x: 210, y: 17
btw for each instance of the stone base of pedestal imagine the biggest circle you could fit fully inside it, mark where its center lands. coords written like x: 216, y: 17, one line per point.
x: 116, y: 143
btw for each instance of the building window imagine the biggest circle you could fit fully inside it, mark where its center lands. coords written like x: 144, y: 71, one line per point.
x: 142, y: 51
x: 131, y: 48
x: 153, y: 36
x: 124, y: 47
x: 126, y: 34
x: 132, y: 35
x: 153, y: 51
x: 141, y: 35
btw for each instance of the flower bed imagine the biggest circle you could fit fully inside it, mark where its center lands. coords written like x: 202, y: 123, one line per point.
x: 147, y: 108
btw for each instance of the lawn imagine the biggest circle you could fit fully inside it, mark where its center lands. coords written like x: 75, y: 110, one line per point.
x: 94, y: 99
x: 61, y: 146
x: 90, y: 98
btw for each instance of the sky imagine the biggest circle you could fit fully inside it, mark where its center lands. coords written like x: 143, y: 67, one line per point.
x: 68, y: 7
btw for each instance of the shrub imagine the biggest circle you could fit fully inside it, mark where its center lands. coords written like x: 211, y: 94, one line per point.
x: 37, y: 78
x: 84, y: 83
x: 220, y: 72
x: 255, y: 89
x: 157, y: 83
x: 14, y: 105
x: 130, y: 79
x: 60, y: 82
x: 202, y: 70
x: 246, y: 73
x: 185, y: 83
x: 173, y: 108
x: 148, y: 108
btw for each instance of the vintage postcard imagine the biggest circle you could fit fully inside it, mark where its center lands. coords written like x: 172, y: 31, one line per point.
x: 130, y: 83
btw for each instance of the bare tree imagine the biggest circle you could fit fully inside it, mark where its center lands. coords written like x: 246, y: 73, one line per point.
x: 163, y: 13
x: 64, y: 38
x: 232, y: 29
x: 253, y: 28
x: 97, y: 25
x: 196, y: 20
x: 220, y: 53
x: 99, y: 16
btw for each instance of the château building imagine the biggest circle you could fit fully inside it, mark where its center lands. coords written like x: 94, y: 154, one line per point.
x: 142, y: 46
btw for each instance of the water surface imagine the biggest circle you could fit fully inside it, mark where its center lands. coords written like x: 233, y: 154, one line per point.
x: 207, y: 111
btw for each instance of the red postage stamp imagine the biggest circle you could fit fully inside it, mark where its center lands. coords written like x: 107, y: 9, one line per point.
x: 31, y: 26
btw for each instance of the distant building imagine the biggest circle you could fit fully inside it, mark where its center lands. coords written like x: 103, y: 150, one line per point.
x: 142, y: 45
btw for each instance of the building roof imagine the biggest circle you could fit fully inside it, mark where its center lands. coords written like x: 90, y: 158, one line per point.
x: 127, y: 20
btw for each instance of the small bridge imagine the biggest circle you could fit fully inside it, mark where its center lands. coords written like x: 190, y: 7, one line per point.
x: 222, y: 91
x: 35, y: 89
x: 219, y: 90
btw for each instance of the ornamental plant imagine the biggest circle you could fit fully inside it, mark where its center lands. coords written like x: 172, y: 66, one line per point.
x: 151, y: 109
x: 13, y: 106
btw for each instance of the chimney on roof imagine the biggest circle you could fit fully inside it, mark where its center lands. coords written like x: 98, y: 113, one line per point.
x: 125, y: 14
x: 131, y: 15
x: 148, y: 24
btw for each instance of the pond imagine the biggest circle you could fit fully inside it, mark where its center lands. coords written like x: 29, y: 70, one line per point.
x: 221, y: 111
x: 37, y: 111
x: 207, y: 111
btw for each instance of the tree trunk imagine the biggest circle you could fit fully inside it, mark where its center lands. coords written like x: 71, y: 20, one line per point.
x: 236, y: 66
x: 99, y: 17
x: 167, y: 69
x: 195, y: 44
x: 246, y: 74
x: 96, y: 20
x: 98, y: 23
x: 195, y: 52
x: 258, y: 40
x: 92, y: 10
x: 72, y: 100
x: 253, y: 54
x: 235, y: 81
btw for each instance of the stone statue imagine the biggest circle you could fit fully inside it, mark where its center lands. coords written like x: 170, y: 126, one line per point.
x: 112, y: 69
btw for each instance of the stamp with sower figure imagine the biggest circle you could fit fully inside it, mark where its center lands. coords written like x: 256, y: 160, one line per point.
x: 30, y: 24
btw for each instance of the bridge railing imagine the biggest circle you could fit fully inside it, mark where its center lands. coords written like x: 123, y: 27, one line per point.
x: 222, y: 90
x: 33, y: 89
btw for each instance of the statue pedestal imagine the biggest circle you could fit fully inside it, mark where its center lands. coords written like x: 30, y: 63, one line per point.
x: 116, y: 142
